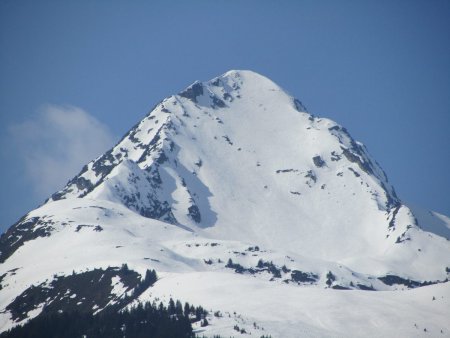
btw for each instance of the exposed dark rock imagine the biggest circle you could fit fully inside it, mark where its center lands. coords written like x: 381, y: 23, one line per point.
x: 1, y: 279
x: 193, y: 91
x: 164, y: 109
x: 104, y: 165
x: 97, y: 228
x: 357, y: 155
x: 339, y: 132
x: 159, y: 210
x: 194, y: 213
x: 228, y: 140
x: 364, y: 166
x: 354, y: 172
x: 81, y: 226
x: 171, y: 146
x: 81, y: 183
x: 152, y: 146
x: 217, y: 102
x: 403, y: 237
x: 58, y: 195
x: 23, y: 231
x: 161, y: 157
x: 227, y: 97
x: 318, y: 161
x: 286, y: 171
x: 154, y: 178
x: 132, y: 136
x: 310, y: 174
x: 335, y: 156
x: 394, y: 215
x: 299, y: 106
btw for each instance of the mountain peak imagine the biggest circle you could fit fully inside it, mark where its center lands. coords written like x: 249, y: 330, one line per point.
x: 245, y: 75
x: 185, y: 148
x: 247, y: 78
x: 244, y: 86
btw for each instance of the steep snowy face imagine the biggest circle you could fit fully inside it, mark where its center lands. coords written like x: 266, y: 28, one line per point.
x: 239, y: 158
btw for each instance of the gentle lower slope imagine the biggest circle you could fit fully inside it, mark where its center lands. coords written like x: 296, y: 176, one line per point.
x: 292, y: 312
x: 280, y: 291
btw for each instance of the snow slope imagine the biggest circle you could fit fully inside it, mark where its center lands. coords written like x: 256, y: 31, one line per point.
x: 432, y: 222
x: 236, y: 169
x: 292, y: 312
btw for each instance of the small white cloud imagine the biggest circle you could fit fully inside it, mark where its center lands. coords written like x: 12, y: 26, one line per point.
x: 56, y: 144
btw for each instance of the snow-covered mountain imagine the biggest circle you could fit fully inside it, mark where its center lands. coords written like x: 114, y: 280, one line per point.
x: 243, y: 202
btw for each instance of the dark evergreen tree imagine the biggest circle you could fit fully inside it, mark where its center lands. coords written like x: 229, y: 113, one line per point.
x: 186, y: 310
x: 171, y: 307
x: 200, y: 313
x: 145, y: 320
x: 178, y: 308
x: 125, y: 268
x: 330, y: 278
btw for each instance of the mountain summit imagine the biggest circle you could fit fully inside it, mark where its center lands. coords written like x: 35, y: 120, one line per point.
x: 228, y: 179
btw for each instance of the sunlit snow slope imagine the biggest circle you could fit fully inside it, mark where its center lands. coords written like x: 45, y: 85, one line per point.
x: 235, y: 168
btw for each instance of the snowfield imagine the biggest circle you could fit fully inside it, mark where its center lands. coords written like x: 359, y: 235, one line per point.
x: 290, y: 311
x: 276, y: 221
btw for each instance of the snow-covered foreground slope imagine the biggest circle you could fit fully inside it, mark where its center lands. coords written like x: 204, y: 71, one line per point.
x: 242, y: 202
x: 292, y: 312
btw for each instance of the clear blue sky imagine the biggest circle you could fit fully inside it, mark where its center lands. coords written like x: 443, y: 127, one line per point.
x: 380, y: 68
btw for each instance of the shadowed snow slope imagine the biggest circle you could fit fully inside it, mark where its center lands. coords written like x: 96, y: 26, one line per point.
x: 235, y: 168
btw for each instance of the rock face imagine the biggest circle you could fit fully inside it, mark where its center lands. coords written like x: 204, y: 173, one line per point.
x: 235, y: 162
